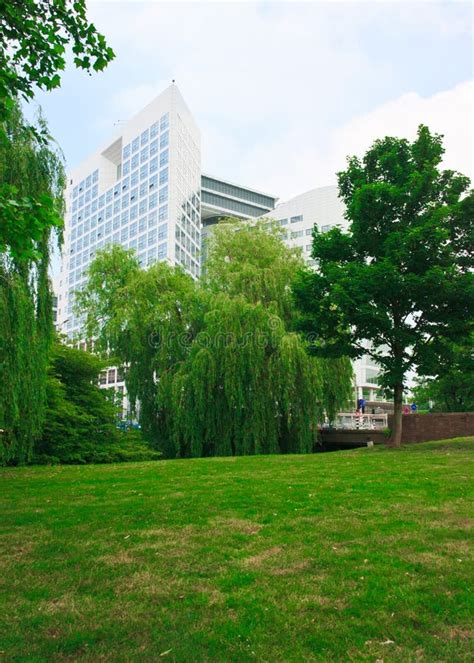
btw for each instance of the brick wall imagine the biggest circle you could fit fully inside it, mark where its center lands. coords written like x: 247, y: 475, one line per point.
x: 436, y: 426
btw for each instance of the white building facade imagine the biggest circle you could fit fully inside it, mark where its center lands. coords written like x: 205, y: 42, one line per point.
x: 142, y: 191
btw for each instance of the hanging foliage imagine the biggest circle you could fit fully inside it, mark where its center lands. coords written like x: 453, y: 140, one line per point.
x: 31, y: 172
x: 214, y: 367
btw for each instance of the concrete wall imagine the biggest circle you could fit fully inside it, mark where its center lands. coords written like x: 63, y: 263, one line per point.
x: 436, y: 426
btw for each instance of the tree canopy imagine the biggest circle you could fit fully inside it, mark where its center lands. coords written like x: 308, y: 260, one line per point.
x: 32, y: 176
x: 401, y: 275
x: 34, y: 35
x: 451, y: 387
x: 213, y: 366
x: 81, y: 419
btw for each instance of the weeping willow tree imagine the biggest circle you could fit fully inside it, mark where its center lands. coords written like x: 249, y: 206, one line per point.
x: 31, y: 181
x: 214, y: 368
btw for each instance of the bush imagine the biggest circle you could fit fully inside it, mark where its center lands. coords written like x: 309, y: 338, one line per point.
x: 81, y: 420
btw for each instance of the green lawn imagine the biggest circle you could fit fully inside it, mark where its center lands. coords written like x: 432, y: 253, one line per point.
x: 350, y: 556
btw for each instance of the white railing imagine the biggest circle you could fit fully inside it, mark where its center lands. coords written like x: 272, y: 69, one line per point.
x: 353, y: 421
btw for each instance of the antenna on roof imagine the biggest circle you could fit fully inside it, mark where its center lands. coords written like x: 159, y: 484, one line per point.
x: 173, y: 81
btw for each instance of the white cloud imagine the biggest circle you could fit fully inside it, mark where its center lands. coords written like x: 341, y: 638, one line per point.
x: 292, y: 165
x: 283, y: 91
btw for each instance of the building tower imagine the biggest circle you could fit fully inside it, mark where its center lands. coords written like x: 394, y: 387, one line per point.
x: 142, y: 190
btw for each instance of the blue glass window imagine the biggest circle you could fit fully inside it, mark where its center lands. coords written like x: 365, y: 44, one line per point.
x: 133, y: 212
x: 134, y: 178
x: 153, y: 148
x: 143, y: 206
x: 153, y: 181
x: 126, y: 167
x: 124, y: 218
x: 135, y: 144
x: 133, y: 228
x: 163, y: 231
x: 161, y: 254
x: 163, y: 213
x: 124, y: 234
x: 153, y: 165
x: 153, y: 200
x: 144, y: 171
x: 124, y: 201
x: 164, y: 158
x: 163, y: 194
x: 126, y: 151
x: 164, y: 140
x: 154, y: 130
x: 151, y: 236
x: 163, y: 176
x: 144, y: 155
x: 135, y: 161
x: 95, y: 176
x: 133, y: 194
x: 164, y: 122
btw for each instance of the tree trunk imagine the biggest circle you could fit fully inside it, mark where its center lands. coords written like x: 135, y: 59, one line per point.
x: 396, y: 436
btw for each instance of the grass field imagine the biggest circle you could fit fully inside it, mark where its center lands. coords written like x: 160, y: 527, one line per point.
x: 350, y: 556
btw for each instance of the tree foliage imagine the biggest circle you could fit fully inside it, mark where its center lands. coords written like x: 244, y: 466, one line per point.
x: 214, y: 366
x: 451, y: 387
x: 80, y: 422
x: 401, y: 275
x: 30, y: 172
x: 34, y: 35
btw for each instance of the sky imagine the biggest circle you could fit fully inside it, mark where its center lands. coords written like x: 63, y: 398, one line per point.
x: 282, y: 91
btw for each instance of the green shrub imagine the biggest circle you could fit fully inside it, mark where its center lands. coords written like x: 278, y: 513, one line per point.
x: 81, y: 420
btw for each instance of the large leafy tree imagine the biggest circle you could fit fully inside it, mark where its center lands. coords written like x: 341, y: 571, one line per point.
x: 214, y: 366
x: 32, y: 175
x: 400, y: 277
x: 33, y: 39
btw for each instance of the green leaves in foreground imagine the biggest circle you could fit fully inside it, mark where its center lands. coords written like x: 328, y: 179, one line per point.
x: 215, y: 366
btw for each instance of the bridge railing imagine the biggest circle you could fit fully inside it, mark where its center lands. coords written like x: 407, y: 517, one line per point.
x: 354, y: 421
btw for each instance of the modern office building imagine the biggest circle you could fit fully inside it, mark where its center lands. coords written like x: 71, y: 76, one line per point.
x: 141, y: 190
x: 221, y: 199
